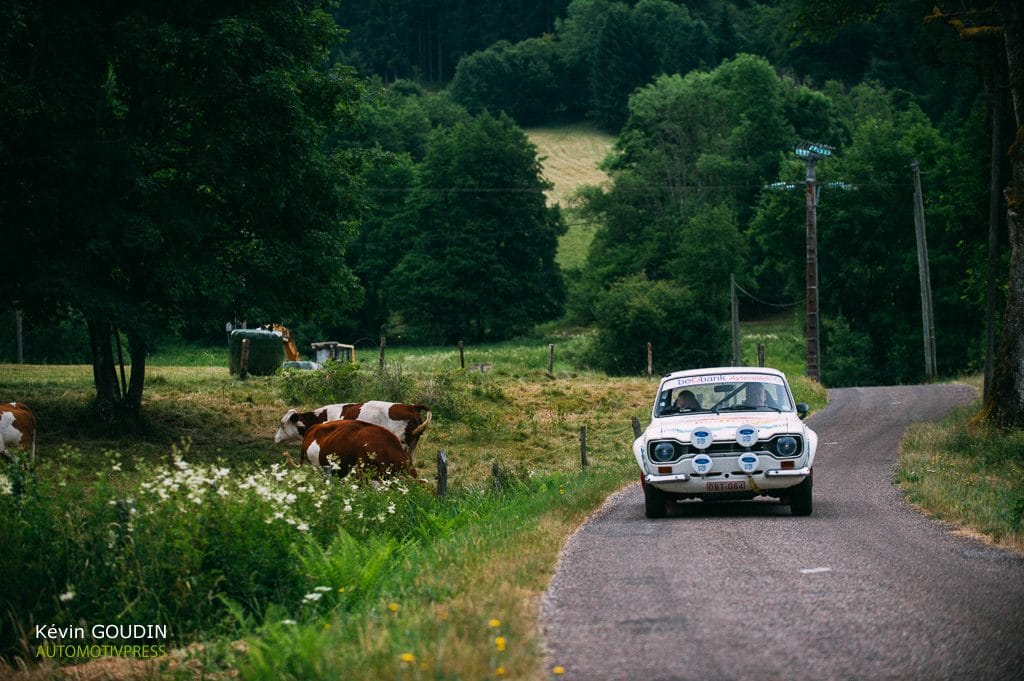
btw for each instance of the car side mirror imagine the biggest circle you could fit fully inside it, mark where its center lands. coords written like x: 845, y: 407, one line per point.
x: 802, y: 409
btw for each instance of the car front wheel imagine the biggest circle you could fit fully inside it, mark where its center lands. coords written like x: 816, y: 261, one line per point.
x: 800, y: 500
x: 655, y: 501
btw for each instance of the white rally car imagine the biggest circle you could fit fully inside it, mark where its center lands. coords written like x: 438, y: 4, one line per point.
x: 726, y: 433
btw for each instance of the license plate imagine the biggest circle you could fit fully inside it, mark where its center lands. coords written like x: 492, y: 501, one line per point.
x: 730, y: 486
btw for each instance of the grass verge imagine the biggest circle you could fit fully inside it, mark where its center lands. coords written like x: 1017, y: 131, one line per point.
x: 963, y: 471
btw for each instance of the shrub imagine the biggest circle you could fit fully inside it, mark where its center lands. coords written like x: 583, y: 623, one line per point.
x: 635, y: 310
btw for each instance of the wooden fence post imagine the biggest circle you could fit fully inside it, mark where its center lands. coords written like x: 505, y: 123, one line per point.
x: 497, y: 476
x: 636, y: 427
x: 243, y: 361
x: 383, y: 344
x: 760, y: 354
x: 551, y: 359
x: 462, y: 356
x: 650, y: 359
x: 583, y: 445
x: 442, y: 474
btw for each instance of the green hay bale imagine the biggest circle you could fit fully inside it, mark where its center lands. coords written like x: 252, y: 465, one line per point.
x: 266, y: 351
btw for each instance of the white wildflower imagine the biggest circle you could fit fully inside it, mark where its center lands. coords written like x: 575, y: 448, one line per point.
x: 313, y: 597
x: 67, y: 595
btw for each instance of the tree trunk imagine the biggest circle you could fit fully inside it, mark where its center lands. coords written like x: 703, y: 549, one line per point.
x: 137, y: 352
x: 111, y: 400
x: 108, y: 392
x: 1005, y: 406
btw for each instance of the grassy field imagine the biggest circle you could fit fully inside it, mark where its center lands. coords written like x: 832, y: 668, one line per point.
x: 178, y: 519
x: 570, y: 156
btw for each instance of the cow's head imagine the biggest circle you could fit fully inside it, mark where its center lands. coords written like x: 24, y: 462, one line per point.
x: 294, y: 425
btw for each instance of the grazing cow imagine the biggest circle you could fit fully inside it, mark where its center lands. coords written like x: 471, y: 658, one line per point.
x: 17, y: 428
x: 406, y: 421
x: 347, y: 444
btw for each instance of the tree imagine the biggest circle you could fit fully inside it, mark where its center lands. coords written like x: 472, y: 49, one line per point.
x: 1004, y: 403
x: 682, y: 327
x: 481, y: 265
x: 167, y: 162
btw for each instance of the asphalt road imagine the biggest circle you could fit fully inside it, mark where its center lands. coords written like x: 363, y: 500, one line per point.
x: 865, y: 588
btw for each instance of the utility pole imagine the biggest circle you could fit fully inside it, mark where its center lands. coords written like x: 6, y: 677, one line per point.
x: 735, y: 322
x: 927, y: 318
x: 811, y: 153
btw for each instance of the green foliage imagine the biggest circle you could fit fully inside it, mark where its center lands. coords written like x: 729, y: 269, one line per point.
x: 683, y: 331
x: 846, y: 354
x: 481, y: 265
x: 173, y: 165
x: 635, y: 45
x: 870, y: 292
x: 266, y: 351
x: 530, y: 81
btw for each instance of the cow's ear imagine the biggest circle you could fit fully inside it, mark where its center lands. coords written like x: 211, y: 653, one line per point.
x: 294, y: 418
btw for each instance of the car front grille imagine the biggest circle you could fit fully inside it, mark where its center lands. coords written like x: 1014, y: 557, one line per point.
x: 730, y: 448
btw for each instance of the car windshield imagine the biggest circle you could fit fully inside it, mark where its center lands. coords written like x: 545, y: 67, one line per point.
x: 719, y: 393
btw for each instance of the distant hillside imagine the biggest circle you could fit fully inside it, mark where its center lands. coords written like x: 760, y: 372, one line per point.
x: 570, y: 156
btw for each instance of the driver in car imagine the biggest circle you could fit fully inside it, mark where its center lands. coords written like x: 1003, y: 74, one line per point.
x: 758, y: 397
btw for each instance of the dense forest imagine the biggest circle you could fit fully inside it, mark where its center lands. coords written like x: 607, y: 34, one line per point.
x: 363, y: 170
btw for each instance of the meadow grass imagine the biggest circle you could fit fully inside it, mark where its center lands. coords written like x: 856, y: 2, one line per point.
x: 968, y: 473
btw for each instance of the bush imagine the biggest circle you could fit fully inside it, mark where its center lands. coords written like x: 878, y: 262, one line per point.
x: 266, y: 351
x: 635, y: 310
x: 845, y: 354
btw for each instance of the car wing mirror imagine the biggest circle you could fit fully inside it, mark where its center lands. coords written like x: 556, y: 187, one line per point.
x: 802, y: 409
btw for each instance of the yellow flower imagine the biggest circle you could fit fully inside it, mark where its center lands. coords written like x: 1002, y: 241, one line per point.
x: 393, y: 607
x: 494, y: 624
x: 500, y: 671
x: 408, y: 658
x: 558, y: 670
x: 499, y: 643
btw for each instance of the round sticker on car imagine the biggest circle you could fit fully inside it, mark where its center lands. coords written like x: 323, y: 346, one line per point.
x: 701, y: 464
x: 748, y: 462
x: 701, y: 439
x: 746, y: 436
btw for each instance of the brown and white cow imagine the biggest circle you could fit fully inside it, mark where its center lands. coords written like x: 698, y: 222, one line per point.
x: 17, y: 428
x: 347, y: 444
x: 406, y: 421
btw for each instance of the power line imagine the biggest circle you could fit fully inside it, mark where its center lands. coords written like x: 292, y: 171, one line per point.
x: 765, y: 302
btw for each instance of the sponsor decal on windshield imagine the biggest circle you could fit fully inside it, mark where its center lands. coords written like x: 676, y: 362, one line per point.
x: 705, y: 379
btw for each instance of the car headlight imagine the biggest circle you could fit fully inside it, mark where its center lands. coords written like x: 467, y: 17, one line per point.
x: 663, y: 451
x: 786, y: 446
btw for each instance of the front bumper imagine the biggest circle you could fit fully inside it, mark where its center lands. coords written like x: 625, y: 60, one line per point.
x: 690, y: 484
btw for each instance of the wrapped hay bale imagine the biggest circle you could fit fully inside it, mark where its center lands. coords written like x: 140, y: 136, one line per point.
x: 266, y: 351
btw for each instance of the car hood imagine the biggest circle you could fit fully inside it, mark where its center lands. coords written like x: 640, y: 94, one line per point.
x: 723, y: 426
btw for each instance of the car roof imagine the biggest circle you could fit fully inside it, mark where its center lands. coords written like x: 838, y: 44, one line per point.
x: 723, y: 370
